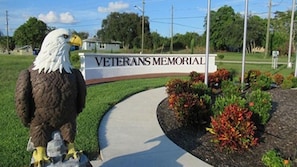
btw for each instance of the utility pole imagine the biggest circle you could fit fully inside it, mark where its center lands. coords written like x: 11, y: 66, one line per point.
x: 268, y: 29
x: 142, y: 25
x: 142, y: 28
x: 207, y: 43
x: 291, y: 34
x: 7, y: 39
x: 171, y: 43
x: 244, y: 44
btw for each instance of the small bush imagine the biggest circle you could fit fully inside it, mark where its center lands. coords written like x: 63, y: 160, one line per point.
x: 223, y: 101
x: 200, y: 88
x: 177, y: 86
x: 191, y: 103
x: 294, y: 81
x: 272, y: 158
x: 259, y: 102
x: 221, y: 57
x: 196, y: 77
x: 214, y: 79
x: 262, y: 82
x: 233, y: 129
x: 230, y: 88
x: 251, y: 76
x: 278, y: 78
x: 287, y: 84
x: 189, y: 108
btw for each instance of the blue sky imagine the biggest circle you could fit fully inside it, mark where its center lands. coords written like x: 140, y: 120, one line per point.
x: 87, y: 15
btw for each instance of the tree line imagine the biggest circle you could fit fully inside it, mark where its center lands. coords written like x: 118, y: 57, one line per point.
x: 226, y: 33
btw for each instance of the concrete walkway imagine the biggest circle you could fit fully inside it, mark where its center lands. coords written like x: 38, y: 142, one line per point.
x: 130, y: 136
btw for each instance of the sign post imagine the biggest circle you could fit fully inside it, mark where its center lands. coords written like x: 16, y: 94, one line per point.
x: 274, y: 59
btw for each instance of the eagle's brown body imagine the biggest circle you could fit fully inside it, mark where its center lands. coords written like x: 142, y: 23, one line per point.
x: 47, y: 102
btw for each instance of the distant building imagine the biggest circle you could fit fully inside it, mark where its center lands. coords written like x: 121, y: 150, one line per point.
x: 96, y: 44
x: 24, y: 50
x: 258, y: 50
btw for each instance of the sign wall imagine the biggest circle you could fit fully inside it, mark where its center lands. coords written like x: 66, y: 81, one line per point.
x: 98, y: 66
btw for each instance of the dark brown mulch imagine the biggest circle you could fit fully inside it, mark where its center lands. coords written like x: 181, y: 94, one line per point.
x: 280, y: 133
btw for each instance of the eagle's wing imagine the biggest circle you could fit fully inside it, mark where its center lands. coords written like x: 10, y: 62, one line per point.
x: 23, y: 98
x: 82, y: 91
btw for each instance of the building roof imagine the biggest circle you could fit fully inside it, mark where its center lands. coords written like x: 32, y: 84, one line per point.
x: 100, y: 41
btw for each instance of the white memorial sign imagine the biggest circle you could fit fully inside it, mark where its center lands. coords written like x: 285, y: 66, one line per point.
x: 98, y: 66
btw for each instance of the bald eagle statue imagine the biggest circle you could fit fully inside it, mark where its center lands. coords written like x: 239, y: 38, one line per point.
x: 50, y: 94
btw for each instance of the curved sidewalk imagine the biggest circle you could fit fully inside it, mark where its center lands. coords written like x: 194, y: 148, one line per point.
x: 130, y: 136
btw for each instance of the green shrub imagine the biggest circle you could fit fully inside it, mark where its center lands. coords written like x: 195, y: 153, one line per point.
x: 287, y: 84
x: 221, y: 57
x: 222, y: 101
x: 233, y: 129
x: 259, y: 102
x: 251, y: 76
x: 294, y: 81
x: 200, y: 88
x: 230, y: 88
x: 262, y: 82
x: 272, y: 158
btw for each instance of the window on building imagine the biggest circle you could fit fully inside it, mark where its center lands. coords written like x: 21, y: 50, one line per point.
x: 101, y: 46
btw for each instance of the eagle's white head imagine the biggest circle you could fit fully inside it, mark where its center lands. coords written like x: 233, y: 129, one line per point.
x: 54, y: 52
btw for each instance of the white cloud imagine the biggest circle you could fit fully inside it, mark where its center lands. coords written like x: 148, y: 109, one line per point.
x: 113, y: 7
x: 66, y: 18
x: 52, y: 17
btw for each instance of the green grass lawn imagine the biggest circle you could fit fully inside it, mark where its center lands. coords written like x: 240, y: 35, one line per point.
x: 100, y: 98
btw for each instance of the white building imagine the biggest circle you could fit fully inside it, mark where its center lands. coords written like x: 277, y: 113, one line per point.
x: 96, y: 44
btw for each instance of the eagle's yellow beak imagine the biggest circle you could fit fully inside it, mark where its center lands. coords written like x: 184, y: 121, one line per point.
x: 75, y: 40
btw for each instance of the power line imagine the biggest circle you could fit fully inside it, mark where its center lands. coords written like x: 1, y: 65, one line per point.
x: 176, y: 18
x: 268, y: 28
x: 7, y: 41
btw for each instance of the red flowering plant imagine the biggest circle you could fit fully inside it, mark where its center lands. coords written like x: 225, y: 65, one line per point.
x: 190, y: 101
x: 196, y: 77
x: 233, y: 130
x: 214, y: 79
x: 251, y: 76
x: 183, y: 107
x: 177, y: 86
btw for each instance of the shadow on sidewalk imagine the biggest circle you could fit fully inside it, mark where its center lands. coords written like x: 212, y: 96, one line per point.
x: 163, y: 154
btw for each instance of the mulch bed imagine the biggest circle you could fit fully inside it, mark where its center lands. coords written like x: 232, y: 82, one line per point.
x: 280, y: 133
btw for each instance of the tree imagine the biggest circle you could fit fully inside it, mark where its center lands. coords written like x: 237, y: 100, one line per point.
x: 226, y: 29
x: 256, y: 32
x: 31, y: 33
x: 3, y: 43
x: 156, y: 40
x: 82, y: 35
x: 280, y: 26
x: 125, y: 27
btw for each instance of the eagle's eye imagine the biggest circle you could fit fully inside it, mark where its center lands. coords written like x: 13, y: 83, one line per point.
x: 66, y: 36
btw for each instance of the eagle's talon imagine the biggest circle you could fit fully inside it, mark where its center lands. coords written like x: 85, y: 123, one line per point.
x: 75, y: 155
x: 40, y: 157
x: 72, y: 152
